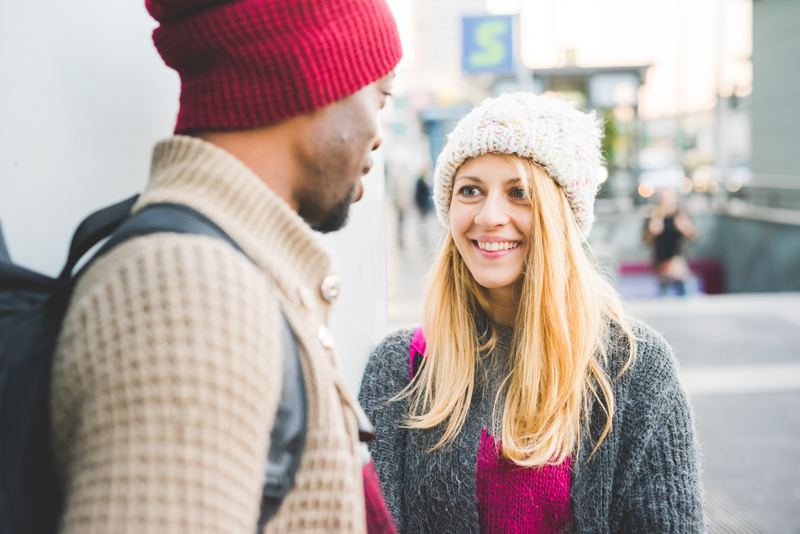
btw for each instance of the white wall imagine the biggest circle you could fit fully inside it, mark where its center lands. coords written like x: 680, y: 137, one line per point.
x: 84, y: 96
x: 359, y: 257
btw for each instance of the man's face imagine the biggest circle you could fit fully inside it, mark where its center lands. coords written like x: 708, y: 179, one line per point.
x: 336, y: 152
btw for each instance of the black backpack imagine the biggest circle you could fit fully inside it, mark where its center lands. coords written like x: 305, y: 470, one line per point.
x: 32, y: 308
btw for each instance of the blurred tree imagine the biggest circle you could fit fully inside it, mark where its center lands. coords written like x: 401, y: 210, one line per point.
x: 610, y: 134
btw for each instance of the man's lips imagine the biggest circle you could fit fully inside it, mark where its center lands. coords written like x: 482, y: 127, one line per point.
x: 359, y: 191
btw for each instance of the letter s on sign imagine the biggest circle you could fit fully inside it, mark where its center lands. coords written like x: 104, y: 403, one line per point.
x: 494, y: 50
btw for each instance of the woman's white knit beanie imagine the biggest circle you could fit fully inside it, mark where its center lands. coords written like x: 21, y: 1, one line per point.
x: 565, y: 142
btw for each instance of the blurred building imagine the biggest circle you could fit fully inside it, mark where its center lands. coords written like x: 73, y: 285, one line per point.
x: 698, y: 95
x: 759, y: 236
x: 694, y: 52
x: 776, y: 88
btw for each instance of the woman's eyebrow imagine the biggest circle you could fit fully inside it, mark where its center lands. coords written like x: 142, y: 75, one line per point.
x: 470, y: 178
x: 510, y: 181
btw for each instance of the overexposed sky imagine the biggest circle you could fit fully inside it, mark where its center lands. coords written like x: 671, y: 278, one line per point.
x: 693, y: 46
x: 689, y: 43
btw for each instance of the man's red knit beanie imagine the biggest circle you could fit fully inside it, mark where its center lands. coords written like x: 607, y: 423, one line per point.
x: 247, y: 63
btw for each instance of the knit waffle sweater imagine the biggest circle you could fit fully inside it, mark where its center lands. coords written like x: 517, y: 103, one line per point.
x: 168, y: 372
x: 644, y: 478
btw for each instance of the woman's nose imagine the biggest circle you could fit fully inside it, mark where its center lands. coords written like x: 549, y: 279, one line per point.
x: 493, y: 213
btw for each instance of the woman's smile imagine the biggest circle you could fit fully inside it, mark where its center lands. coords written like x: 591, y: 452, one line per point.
x: 495, y: 247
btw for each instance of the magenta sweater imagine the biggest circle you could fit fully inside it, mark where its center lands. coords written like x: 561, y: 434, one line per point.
x: 514, y: 499
x: 510, y: 498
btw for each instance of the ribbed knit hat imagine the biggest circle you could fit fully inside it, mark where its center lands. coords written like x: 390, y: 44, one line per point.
x: 247, y: 63
x: 563, y: 141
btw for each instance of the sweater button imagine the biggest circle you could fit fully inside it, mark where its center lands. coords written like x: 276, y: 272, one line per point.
x: 330, y: 287
x: 325, y: 337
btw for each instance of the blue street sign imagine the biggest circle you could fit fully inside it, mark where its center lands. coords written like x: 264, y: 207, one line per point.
x: 487, y: 44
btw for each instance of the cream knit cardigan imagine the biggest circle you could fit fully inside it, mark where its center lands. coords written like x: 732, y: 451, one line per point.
x: 168, y: 370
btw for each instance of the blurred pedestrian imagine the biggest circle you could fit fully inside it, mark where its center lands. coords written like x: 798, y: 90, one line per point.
x: 667, y: 230
x: 422, y: 196
x: 167, y: 377
x: 402, y: 169
x: 400, y: 181
x: 528, y: 401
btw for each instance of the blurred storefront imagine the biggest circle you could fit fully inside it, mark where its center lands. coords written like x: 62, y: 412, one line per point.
x: 674, y: 87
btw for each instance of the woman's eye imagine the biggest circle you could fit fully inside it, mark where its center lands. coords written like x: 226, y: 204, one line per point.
x: 469, y: 191
x: 518, y: 193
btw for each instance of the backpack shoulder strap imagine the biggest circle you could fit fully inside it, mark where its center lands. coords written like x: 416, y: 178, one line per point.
x: 167, y: 217
x: 94, y: 229
x: 418, y: 347
x: 288, y: 435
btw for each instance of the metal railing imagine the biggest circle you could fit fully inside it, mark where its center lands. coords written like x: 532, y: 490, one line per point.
x: 767, y: 197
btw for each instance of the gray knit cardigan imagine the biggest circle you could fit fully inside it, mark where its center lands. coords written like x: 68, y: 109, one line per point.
x: 644, y: 478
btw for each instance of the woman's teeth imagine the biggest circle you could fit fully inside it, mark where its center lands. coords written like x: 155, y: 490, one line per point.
x: 497, y: 245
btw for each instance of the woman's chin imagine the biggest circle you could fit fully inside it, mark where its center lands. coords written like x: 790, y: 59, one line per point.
x: 495, y: 284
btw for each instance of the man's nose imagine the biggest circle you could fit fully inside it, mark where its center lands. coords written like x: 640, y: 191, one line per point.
x: 493, y: 213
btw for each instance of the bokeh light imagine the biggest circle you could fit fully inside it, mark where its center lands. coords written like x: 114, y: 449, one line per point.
x: 602, y: 175
x: 733, y: 186
x: 700, y: 179
x: 624, y: 113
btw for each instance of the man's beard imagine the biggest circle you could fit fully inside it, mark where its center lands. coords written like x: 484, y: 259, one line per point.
x: 337, y: 215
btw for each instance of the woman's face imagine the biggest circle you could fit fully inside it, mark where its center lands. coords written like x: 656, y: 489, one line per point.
x: 490, y: 215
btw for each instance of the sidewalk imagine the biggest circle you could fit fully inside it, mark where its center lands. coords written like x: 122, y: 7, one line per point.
x: 740, y: 360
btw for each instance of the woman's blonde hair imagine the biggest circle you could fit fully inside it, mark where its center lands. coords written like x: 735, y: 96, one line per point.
x: 560, y: 342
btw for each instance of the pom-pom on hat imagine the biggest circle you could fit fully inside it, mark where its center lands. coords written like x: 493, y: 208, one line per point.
x: 562, y: 140
x: 248, y: 63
